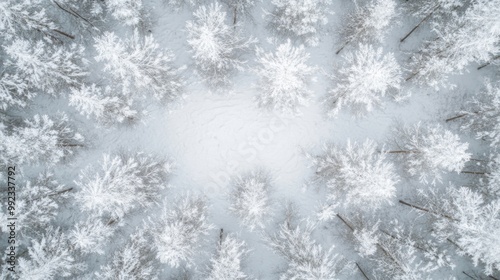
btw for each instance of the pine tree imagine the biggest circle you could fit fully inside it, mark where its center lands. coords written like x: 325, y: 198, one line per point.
x: 226, y: 264
x: 104, y: 104
x: 133, y: 262
x: 215, y: 45
x: 301, y: 19
x: 430, y: 151
x: 26, y: 17
x: 358, y: 174
x: 180, y: 230
x: 472, y: 223
x: 40, y: 140
x: 122, y: 183
x: 306, y: 259
x: 127, y: 11
x: 37, y: 204
x: 284, y: 77
x: 368, y: 23
x: 46, y: 67
x: 435, y: 12
x: 14, y: 91
x: 400, y: 259
x: 472, y: 37
x: 140, y: 64
x: 91, y: 235
x: 250, y: 199
x: 50, y: 257
x: 483, y: 116
x: 365, y: 77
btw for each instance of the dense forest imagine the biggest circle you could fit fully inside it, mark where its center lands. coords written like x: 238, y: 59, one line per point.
x: 246, y: 139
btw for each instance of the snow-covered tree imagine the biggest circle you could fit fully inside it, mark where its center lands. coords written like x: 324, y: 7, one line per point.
x: 368, y: 23
x: 134, y: 261
x: 14, y: 91
x: 227, y: 262
x: 216, y: 46
x: 358, y: 174
x: 39, y: 139
x: 433, y: 11
x: 121, y: 183
x: 180, y: 229
x: 284, y: 77
x: 473, y: 37
x: 399, y: 259
x: 46, y: 67
x: 127, y: 11
x: 106, y: 105
x: 306, y: 259
x: 91, y: 235
x: 473, y: 223
x: 367, y: 240
x: 19, y: 17
x: 250, y: 199
x: 483, y: 116
x: 50, y: 257
x: 140, y: 64
x: 37, y: 204
x: 365, y: 77
x: 301, y: 19
x: 493, y: 182
x: 430, y: 150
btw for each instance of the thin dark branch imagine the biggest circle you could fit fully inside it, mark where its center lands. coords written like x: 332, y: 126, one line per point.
x: 426, y: 210
x: 362, y: 272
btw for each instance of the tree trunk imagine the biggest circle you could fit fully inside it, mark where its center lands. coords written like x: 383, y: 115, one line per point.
x: 343, y: 46
x: 469, y: 275
x: 221, y: 235
x: 70, y: 145
x: 426, y: 210
x: 345, y: 222
x: 234, y: 17
x: 474, y: 172
x: 61, y: 192
x: 455, y: 117
x: 420, y: 23
x: 488, y: 63
x: 412, y: 75
x: 401, y: 152
x: 64, y: 33
x: 362, y: 272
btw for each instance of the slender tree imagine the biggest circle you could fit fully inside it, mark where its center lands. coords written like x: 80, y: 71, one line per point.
x: 216, y: 46
x: 180, y: 230
x: 365, y: 77
x: 368, y: 23
x: 430, y: 150
x: 140, y: 64
x: 284, y: 77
